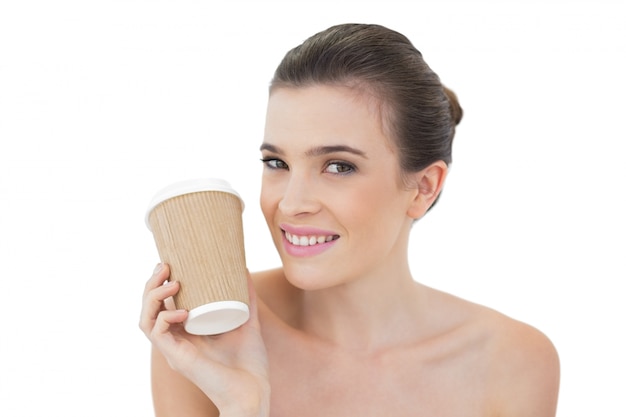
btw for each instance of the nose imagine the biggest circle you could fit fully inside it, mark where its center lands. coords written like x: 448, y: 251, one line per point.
x: 299, y: 196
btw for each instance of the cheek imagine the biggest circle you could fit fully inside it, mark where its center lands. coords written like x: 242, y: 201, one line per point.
x: 264, y: 203
x: 373, y: 198
x: 356, y: 208
x: 268, y: 199
x: 381, y: 209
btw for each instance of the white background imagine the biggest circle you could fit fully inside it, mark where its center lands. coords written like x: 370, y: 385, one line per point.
x: 104, y: 102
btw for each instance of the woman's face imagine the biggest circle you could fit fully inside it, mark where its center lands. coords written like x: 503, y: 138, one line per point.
x: 331, y: 191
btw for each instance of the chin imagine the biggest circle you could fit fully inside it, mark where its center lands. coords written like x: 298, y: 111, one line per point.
x: 309, y: 277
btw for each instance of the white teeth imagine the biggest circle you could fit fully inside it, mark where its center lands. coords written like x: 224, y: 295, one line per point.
x: 307, y: 240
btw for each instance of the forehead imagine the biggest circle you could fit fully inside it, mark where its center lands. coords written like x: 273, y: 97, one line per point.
x: 323, y: 115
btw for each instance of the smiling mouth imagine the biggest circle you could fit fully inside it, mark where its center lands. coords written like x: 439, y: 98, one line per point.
x: 309, y: 240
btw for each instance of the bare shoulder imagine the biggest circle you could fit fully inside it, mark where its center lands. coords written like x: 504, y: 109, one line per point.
x: 269, y: 284
x: 520, y: 363
x: 524, y: 370
x: 266, y: 277
x: 276, y: 293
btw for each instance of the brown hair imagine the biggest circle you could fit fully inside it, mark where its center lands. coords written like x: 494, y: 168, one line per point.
x: 421, y: 113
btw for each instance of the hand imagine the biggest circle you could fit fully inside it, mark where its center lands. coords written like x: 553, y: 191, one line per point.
x: 231, y: 368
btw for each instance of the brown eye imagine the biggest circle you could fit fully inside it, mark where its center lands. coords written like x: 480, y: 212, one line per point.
x: 274, y: 163
x: 341, y: 168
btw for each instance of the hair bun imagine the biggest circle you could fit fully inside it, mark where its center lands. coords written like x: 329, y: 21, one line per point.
x: 455, y: 108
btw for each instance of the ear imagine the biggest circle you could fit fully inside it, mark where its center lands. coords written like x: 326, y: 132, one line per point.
x: 428, y: 183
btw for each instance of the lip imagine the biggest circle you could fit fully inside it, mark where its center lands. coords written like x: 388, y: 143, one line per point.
x: 306, y: 251
x: 305, y: 230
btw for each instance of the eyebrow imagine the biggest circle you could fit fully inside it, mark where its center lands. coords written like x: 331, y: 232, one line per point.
x: 318, y: 150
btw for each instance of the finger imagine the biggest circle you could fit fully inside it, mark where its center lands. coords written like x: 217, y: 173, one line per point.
x: 153, y: 301
x: 160, y: 274
x: 158, y: 296
x: 166, y: 319
x: 168, y: 337
x: 169, y: 303
x: 191, y: 355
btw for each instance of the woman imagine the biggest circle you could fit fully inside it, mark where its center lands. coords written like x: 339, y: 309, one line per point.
x: 357, y: 144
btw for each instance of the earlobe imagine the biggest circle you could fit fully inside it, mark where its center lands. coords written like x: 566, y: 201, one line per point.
x: 429, y: 183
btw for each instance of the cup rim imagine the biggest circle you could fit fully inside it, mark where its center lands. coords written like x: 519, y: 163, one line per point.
x: 217, y: 317
x: 189, y: 186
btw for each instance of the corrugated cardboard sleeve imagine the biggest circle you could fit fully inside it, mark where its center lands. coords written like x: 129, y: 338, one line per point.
x: 200, y: 236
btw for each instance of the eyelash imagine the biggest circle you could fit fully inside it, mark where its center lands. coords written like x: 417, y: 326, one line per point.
x: 272, y: 163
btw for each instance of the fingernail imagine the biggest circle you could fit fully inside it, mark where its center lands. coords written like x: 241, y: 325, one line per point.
x: 157, y: 268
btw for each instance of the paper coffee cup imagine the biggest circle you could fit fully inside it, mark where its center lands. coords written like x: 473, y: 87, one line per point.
x: 198, y: 230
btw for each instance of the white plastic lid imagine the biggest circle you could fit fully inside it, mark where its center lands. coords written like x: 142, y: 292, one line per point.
x: 188, y: 187
x: 216, y: 318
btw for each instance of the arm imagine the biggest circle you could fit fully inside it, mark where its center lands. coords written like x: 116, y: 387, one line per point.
x: 174, y: 395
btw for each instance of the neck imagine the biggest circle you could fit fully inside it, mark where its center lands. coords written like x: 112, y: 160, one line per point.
x: 365, y: 315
